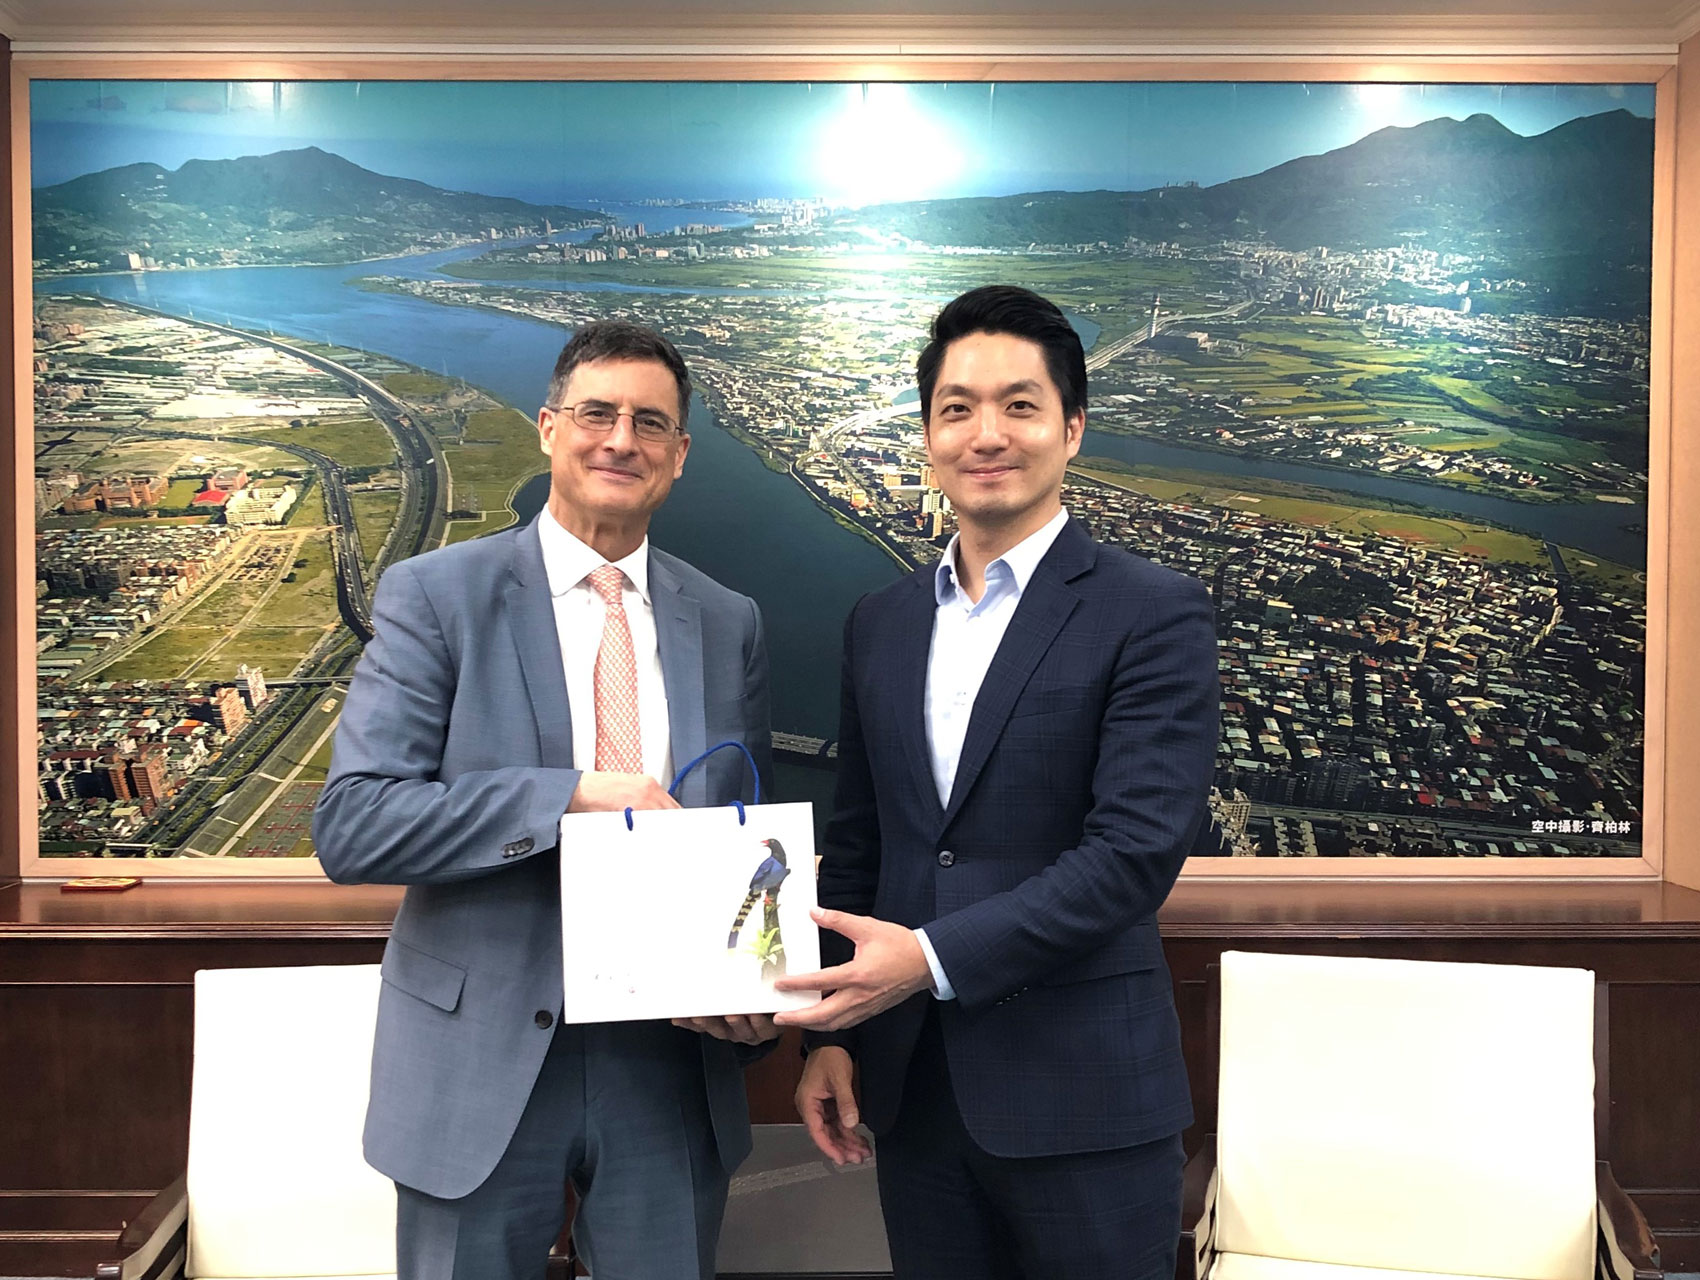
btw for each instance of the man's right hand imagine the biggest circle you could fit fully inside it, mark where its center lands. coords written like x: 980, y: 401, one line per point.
x: 615, y: 791
x: 826, y: 1100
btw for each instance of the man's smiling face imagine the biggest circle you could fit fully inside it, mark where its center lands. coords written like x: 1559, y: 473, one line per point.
x: 616, y: 477
x: 997, y: 436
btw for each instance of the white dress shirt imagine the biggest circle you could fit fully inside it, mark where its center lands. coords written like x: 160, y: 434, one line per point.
x: 966, y: 636
x: 579, y: 615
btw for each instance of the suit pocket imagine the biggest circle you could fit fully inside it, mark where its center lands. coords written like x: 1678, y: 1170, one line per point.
x: 1050, y: 702
x: 423, y: 976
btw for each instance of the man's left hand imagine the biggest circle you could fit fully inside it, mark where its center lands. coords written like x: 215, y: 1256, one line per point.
x: 740, y: 1028
x: 888, y: 968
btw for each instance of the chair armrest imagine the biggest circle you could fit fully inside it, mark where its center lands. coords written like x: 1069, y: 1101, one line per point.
x: 153, y: 1245
x: 1199, y: 1185
x: 1627, y: 1250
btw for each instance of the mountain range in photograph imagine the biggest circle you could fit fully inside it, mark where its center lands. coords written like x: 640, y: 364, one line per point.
x: 1573, y: 205
x: 1389, y: 401
x: 296, y: 206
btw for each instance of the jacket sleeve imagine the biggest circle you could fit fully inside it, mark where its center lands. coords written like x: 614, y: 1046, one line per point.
x: 1157, y: 739
x: 384, y: 816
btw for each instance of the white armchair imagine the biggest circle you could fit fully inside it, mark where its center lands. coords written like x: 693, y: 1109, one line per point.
x: 276, y: 1185
x: 1379, y: 1118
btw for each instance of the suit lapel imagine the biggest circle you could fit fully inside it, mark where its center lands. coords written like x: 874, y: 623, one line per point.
x: 531, y: 614
x: 1045, y: 607
x: 678, y: 634
x: 909, y: 685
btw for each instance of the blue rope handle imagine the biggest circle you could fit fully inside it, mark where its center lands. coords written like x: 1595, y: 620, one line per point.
x: 679, y: 777
x: 755, y: 773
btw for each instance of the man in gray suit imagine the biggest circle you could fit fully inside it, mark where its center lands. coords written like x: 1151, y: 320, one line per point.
x: 561, y: 667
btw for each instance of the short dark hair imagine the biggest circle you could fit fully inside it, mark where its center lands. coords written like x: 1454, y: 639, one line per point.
x: 619, y: 340
x: 1006, y: 308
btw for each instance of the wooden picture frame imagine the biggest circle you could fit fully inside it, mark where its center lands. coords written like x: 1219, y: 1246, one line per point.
x: 1665, y: 734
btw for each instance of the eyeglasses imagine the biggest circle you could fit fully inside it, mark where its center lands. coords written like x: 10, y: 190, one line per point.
x: 599, y: 415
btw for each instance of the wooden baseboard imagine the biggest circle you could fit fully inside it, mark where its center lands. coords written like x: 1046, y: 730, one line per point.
x: 93, y: 993
x: 55, y: 1253
x: 1673, y: 1216
x: 78, y: 1212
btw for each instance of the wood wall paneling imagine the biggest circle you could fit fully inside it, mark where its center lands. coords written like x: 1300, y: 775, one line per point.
x: 591, y: 63
x: 1682, y: 637
x: 1655, y: 1128
x: 1576, y: 66
x: 95, y: 997
x: 96, y: 1026
x: 96, y: 1011
x: 14, y: 271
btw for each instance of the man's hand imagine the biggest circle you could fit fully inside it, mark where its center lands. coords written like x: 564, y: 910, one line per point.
x: 826, y: 1100
x: 889, y: 967
x: 616, y: 791
x: 740, y: 1028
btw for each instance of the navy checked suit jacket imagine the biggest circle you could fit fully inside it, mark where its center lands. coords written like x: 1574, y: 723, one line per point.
x: 453, y: 764
x: 1082, y: 785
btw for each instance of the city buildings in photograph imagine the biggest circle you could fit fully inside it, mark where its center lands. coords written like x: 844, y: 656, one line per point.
x: 1370, y: 360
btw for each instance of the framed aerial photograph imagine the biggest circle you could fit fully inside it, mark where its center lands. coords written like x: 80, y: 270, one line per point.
x: 1370, y: 359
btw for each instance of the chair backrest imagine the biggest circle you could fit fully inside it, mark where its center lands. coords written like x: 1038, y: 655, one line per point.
x: 1410, y: 1115
x: 277, y: 1183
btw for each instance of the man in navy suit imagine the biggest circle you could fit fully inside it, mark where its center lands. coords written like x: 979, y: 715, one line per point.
x: 1027, y: 737
x: 562, y: 667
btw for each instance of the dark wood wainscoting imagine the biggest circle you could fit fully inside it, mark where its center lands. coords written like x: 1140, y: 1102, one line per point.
x: 96, y: 1017
x: 1642, y: 940
x: 96, y: 1005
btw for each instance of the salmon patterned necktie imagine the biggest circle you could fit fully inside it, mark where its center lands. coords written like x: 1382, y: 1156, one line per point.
x: 619, y: 746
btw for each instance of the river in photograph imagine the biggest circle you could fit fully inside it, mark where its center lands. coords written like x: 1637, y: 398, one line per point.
x: 752, y: 528
x: 1615, y: 531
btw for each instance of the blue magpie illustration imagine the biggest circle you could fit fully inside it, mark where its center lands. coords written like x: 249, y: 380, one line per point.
x: 766, y: 881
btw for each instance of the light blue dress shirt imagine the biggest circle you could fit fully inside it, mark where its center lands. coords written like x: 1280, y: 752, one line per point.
x: 966, y: 635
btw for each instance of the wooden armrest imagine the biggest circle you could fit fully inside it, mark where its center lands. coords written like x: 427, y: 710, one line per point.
x: 1627, y: 1248
x: 1198, y: 1214
x: 153, y: 1244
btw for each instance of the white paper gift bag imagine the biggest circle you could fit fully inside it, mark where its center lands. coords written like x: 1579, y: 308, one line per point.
x: 677, y: 913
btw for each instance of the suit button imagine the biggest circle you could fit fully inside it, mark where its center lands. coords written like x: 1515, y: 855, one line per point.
x: 946, y: 858
x: 544, y: 1019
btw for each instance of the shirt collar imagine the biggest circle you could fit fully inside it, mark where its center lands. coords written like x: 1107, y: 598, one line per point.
x: 568, y: 561
x: 1019, y: 563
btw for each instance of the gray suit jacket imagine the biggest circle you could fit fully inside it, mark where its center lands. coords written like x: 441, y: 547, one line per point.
x: 451, y: 770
